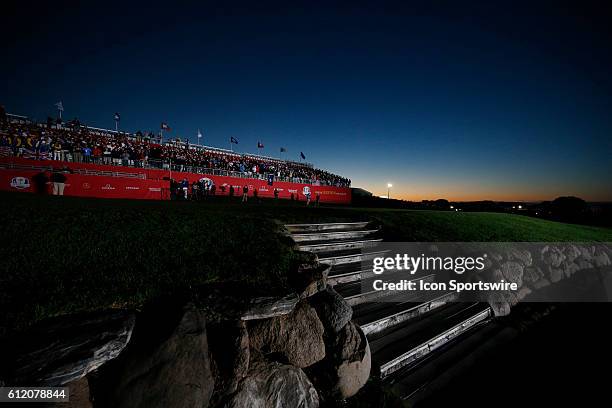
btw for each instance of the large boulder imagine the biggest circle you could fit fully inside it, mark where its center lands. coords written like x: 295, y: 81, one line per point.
x: 168, y: 364
x: 309, y: 280
x: 332, y: 309
x: 295, y: 338
x: 347, y: 365
x: 513, y: 272
x: 270, y: 306
x: 64, y: 349
x: 271, y: 385
x: 79, y: 395
x: 229, y: 347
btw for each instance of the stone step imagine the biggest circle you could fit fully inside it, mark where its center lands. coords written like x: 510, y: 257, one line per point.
x: 351, y: 258
x: 354, y: 295
x: 348, y: 275
x: 396, y: 314
x: 331, y: 236
x: 404, y: 346
x: 340, y: 246
x: 335, y: 226
x: 449, y: 363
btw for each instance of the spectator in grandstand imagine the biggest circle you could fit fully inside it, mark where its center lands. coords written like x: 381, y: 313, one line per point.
x: 16, y: 144
x: 58, y: 179
x: 245, y: 193
x: 29, y: 146
x: 87, y: 154
x: 125, y: 158
x: 67, y: 143
x: 96, y: 154
x: 5, y: 145
x: 42, y: 149
x: 56, y: 147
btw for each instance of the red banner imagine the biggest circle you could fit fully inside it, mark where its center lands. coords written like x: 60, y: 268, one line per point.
x: 125, y: 187
x: 31, y: 181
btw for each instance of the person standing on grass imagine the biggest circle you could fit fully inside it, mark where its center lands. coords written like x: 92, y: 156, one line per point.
x: 317, y: 198
x: 184, y: 188
x: 276, y: 194
x: 255, y: 195
x: 245, y: 193
x: 59, y: 182
x: 307, y: 198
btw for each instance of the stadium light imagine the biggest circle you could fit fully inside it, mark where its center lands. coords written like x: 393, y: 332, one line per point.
x: 389, y: 185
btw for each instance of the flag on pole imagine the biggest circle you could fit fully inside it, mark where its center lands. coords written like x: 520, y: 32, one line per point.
x: 282, y: 150
x: 117, y: 117
x: 233, y: 140
x: 260, y: 145
x: 164, y: 126
x: 60, y: 106
x: 302, y: 155
x: 199, y: 135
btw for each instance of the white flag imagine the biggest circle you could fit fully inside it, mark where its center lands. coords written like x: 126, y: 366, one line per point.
x: 60, y: 106
x: 199, y: 134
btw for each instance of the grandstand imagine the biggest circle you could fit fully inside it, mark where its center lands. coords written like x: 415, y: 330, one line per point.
x: 30, y: 146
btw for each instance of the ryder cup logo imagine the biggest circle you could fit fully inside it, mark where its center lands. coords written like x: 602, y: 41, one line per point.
x: 20, y: 183
x: 306, y: 190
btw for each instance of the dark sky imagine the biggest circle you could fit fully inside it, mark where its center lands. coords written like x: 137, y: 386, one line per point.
x: 499, y: 100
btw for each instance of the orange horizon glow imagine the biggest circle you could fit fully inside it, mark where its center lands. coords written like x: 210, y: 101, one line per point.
x: 469, y: 193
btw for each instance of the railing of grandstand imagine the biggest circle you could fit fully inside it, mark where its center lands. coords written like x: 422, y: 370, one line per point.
x: 159, y: 164
x: 12, y: 118
x: 85, y: 172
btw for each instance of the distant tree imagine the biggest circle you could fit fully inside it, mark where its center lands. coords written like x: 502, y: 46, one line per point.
x: 442, y: 204
x: 569, y: 208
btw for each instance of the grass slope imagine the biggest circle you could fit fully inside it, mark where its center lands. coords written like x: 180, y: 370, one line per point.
x: 62, y: 254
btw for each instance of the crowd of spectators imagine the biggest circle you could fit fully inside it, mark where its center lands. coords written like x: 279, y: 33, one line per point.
x: 72, y: 142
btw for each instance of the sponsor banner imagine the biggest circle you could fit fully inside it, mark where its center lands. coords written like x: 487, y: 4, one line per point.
x: 328, y: 194
x: 85, y: 186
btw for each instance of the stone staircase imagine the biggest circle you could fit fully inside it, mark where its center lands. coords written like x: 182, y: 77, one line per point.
x: 405, y: 331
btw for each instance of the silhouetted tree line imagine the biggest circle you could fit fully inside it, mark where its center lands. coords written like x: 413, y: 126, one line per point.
x: 563, y: 209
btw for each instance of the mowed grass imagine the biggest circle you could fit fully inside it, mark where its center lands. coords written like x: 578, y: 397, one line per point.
x: 402, y: 225
x: 63, y: 254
